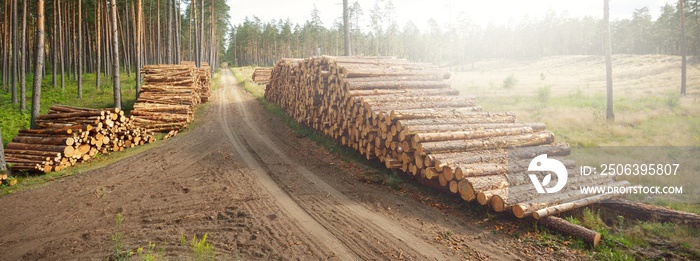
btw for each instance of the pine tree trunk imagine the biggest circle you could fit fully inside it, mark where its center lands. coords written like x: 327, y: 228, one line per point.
x: 201, y: 32
x: 80, y: 49
x: 98, y: 43
x: 169, y: 38
x: 23, y: 66
x: 39, y: 66
x: 54, y: 46
x: 178, y: 39
x: 5, y: 46
x: 683, y: 47
x: 115, y: 60
x: 158, y: 48
x: 61, y: 48
x: 3, y: 163
x: 211, y: 36
x: 139, y: 21
x: 346, y: 29
x: 15, y: 52
x: 74, y: 41
x: 191, y: 33
x: 196, y: 36
x: 610, y: 114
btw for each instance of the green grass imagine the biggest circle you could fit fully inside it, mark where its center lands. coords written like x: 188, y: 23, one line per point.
x: 632, y: 239
x: 579, y: 119
x: 201, y: 249
x: 118, y: 249
x: 13, y: 120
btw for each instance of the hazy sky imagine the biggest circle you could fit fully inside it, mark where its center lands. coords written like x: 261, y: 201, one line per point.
x: 419, y: 11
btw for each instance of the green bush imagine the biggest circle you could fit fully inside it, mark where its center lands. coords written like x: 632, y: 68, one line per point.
x: 510, y: 82
x: 673, y: 100
x: 543, y: 94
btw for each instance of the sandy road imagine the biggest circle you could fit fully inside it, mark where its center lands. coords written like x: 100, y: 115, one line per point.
x: 321, y: 197
x: 256, y: 189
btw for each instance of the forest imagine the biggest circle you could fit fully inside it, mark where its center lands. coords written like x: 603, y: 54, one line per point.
x: 104, y: 38
x: 256, y: 42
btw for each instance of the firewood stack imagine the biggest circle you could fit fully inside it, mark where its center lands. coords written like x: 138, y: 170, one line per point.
x: 262, y: 74
x: 167, y: 98
x: 406, y: 115
x: 69, y: 135
x: 204, y: 81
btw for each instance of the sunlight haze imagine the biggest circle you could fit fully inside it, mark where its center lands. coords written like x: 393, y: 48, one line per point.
x: 443, y: 11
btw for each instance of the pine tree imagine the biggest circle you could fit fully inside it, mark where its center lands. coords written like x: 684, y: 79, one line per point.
x: 39, y: 66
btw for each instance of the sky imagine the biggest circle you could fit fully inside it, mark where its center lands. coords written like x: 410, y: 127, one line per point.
x: 443, y: 11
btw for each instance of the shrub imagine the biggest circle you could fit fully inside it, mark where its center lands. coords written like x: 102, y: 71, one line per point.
x: 510, y: 82
x: 673, y: 100
x: 543, y: 94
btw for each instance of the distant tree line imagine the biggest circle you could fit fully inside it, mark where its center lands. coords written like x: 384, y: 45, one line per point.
x: 255, y: 42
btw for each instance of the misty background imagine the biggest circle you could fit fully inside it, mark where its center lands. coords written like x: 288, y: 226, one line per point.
x: 376, y: 30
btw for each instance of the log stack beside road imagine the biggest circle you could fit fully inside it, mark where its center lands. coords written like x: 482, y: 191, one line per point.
x: 167, y: 98
x: 204, y: 82
x: 407, y: 116
x: 262, y: 74
x: 69, y: 135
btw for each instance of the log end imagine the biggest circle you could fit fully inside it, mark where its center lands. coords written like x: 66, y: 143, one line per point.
x: 481, y: 198
x: 497, y: 203
x: 454, y: 187
x: 518, y: 211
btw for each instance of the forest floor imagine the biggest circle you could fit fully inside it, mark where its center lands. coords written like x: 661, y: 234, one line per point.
x: 257, y: 190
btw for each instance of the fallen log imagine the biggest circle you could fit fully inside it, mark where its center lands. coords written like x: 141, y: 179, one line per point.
x: 567, y: 228
x: 648, y: 212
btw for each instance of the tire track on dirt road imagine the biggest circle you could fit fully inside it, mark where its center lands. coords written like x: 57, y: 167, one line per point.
x: 352, y: 223
x: 285, y: 202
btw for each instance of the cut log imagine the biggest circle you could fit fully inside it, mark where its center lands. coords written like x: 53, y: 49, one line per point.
x: 560, y: 202
x: 567, y: 228
x: 532, y: 139
x: 650, y: 212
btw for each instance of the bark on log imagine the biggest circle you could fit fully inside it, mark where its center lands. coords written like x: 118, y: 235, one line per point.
x: 3, y: 162
x: 533, y: 139
x: 565, y: 227
x: 560, y: 202
x: 650, y: 212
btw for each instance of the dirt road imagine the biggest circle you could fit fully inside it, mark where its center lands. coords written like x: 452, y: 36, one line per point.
x: 259, y: 192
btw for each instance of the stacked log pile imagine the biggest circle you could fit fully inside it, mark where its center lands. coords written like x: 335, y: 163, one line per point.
x: 405, y: 115
x: 69, y: 135
x: 262, y: 74
x: 167, y: 98
x: 204, y: 82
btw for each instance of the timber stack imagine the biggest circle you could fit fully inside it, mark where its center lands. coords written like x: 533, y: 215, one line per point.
x: 70, y: 135
x: 168, y: 97
x: 204, y: 82
x: 262, y: 74
x: 407, y: 116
